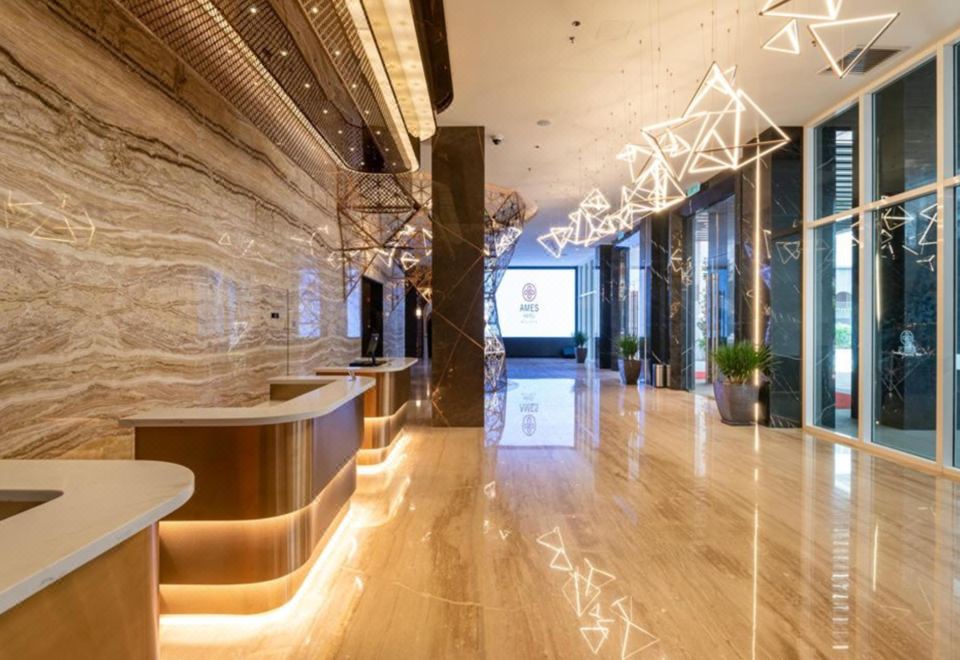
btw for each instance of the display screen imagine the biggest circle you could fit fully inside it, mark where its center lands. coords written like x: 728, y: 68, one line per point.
x: 537, y: 302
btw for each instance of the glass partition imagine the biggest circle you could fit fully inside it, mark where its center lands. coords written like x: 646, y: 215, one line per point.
x: 905, y: 112
x: 836, y: 305
x: 837, y: 163
x: 905, y: 339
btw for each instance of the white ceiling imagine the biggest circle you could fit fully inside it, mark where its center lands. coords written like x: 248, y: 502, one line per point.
x: 633, y: 62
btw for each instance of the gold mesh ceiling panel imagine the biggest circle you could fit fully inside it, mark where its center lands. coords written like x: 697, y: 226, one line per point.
x: 295, y: 69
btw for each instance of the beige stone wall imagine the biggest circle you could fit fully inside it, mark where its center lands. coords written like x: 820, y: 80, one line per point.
x: 148, y: 234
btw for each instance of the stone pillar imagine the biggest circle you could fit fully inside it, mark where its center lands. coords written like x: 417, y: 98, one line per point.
x: 612, y: 260
x: 776, y: 183
x: 458, y: 319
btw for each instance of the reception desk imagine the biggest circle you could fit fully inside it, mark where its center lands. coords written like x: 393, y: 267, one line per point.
x: 385, y: 406
x: 78, y: 556
x: 272, y: 483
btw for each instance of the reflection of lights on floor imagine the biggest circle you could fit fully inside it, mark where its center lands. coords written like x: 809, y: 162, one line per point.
x: 490, y: 490
x: 583, y: 589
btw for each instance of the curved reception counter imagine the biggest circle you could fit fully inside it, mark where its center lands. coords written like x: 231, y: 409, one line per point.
x: 272, y: 483
x: 385, y: 405
x: 79, y: 556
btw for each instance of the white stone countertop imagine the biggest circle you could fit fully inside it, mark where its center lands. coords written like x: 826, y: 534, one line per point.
x: 95, y: 506
x: 330, y: 394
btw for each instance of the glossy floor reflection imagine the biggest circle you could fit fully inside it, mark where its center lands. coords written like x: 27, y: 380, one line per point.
x: 629, y: 523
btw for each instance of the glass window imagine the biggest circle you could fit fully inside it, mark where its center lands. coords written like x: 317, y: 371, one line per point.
x: 956, y: 311
x: 905, y: 340
x: 906, y: 132
x: 956, y: 107
x: 836, y: 305
x: 837, y: 163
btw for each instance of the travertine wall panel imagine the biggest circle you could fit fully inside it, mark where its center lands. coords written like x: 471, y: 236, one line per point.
x: 147, y: 236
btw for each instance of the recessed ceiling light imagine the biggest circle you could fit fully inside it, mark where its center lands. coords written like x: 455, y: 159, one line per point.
x: 253, y: 9
x: 544, y: 122
x: 575, y: 23
x: 306, y: 85
x: 315, y: 10
x: 284, y: 53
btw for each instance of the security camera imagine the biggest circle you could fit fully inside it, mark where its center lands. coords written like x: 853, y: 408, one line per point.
x: 497, y: 139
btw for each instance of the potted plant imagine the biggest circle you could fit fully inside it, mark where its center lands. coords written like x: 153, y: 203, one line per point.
x: 735, y: 390
x: 630, y: 366
x: 580, y: 340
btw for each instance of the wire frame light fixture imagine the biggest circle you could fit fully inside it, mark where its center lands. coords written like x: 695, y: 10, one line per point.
x: 785, y: 40
x: 836, y: 59
x: 788, y: 9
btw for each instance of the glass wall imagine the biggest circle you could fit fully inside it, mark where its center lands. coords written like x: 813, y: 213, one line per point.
x: 905, y: 113
x: 905, y: 339
x: 836, y: 305
x: 837, y: 179
x: 873, y: 263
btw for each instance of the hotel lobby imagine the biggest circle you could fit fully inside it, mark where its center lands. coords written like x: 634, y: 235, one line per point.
x: 461, y: 329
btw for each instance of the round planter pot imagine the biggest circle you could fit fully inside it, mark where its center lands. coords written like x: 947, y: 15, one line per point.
x: 630, y: 371
x: 737, y: 403
x: 581, y: 354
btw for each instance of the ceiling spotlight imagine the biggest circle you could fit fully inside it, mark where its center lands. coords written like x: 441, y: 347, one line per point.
x: 315, y: 10
x: 253, y: 9
x: 306, y: 85
x: 336, y: 53
x: 284, y: 53
x: 497, y: 139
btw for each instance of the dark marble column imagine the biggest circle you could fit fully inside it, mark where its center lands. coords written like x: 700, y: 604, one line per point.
x: 458, y: 198
x: 776, y: 184
x: 613, y: 261
x: 682, y: 302
x: 658, y: 304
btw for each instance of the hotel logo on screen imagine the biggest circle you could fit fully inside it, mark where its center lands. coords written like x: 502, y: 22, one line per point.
x: 529, y: 294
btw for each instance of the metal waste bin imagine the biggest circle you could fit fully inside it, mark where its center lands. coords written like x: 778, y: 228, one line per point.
x: 661, y: 375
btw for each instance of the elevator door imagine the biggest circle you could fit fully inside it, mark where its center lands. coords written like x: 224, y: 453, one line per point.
x: 716, y: 241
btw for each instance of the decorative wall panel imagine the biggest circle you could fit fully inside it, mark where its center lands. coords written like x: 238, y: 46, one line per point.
x: 155, y: 249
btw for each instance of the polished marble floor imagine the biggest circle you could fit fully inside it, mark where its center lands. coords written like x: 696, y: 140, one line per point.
x: 593, y: 520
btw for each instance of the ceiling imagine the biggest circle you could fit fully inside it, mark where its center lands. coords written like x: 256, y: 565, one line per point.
x: 632, y: 63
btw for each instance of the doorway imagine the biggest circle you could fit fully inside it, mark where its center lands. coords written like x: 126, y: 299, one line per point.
x: 715, y: 278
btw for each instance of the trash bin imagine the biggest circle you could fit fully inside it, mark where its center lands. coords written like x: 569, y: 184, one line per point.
x: 661, y: 375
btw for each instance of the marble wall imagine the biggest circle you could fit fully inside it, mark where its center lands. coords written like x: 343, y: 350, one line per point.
x: 155, y: 249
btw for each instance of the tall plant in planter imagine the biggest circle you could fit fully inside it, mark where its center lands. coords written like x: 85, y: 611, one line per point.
x: 735, y: 392
x: 630, y: 366
x: 580, y: 341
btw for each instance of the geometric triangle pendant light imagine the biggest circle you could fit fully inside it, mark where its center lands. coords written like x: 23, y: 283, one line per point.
x: 836, y: 37
x: 786, y: 40
x: 824, y: 10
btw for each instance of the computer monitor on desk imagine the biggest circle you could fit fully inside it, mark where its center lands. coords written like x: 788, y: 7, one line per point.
x: 371, y: 352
